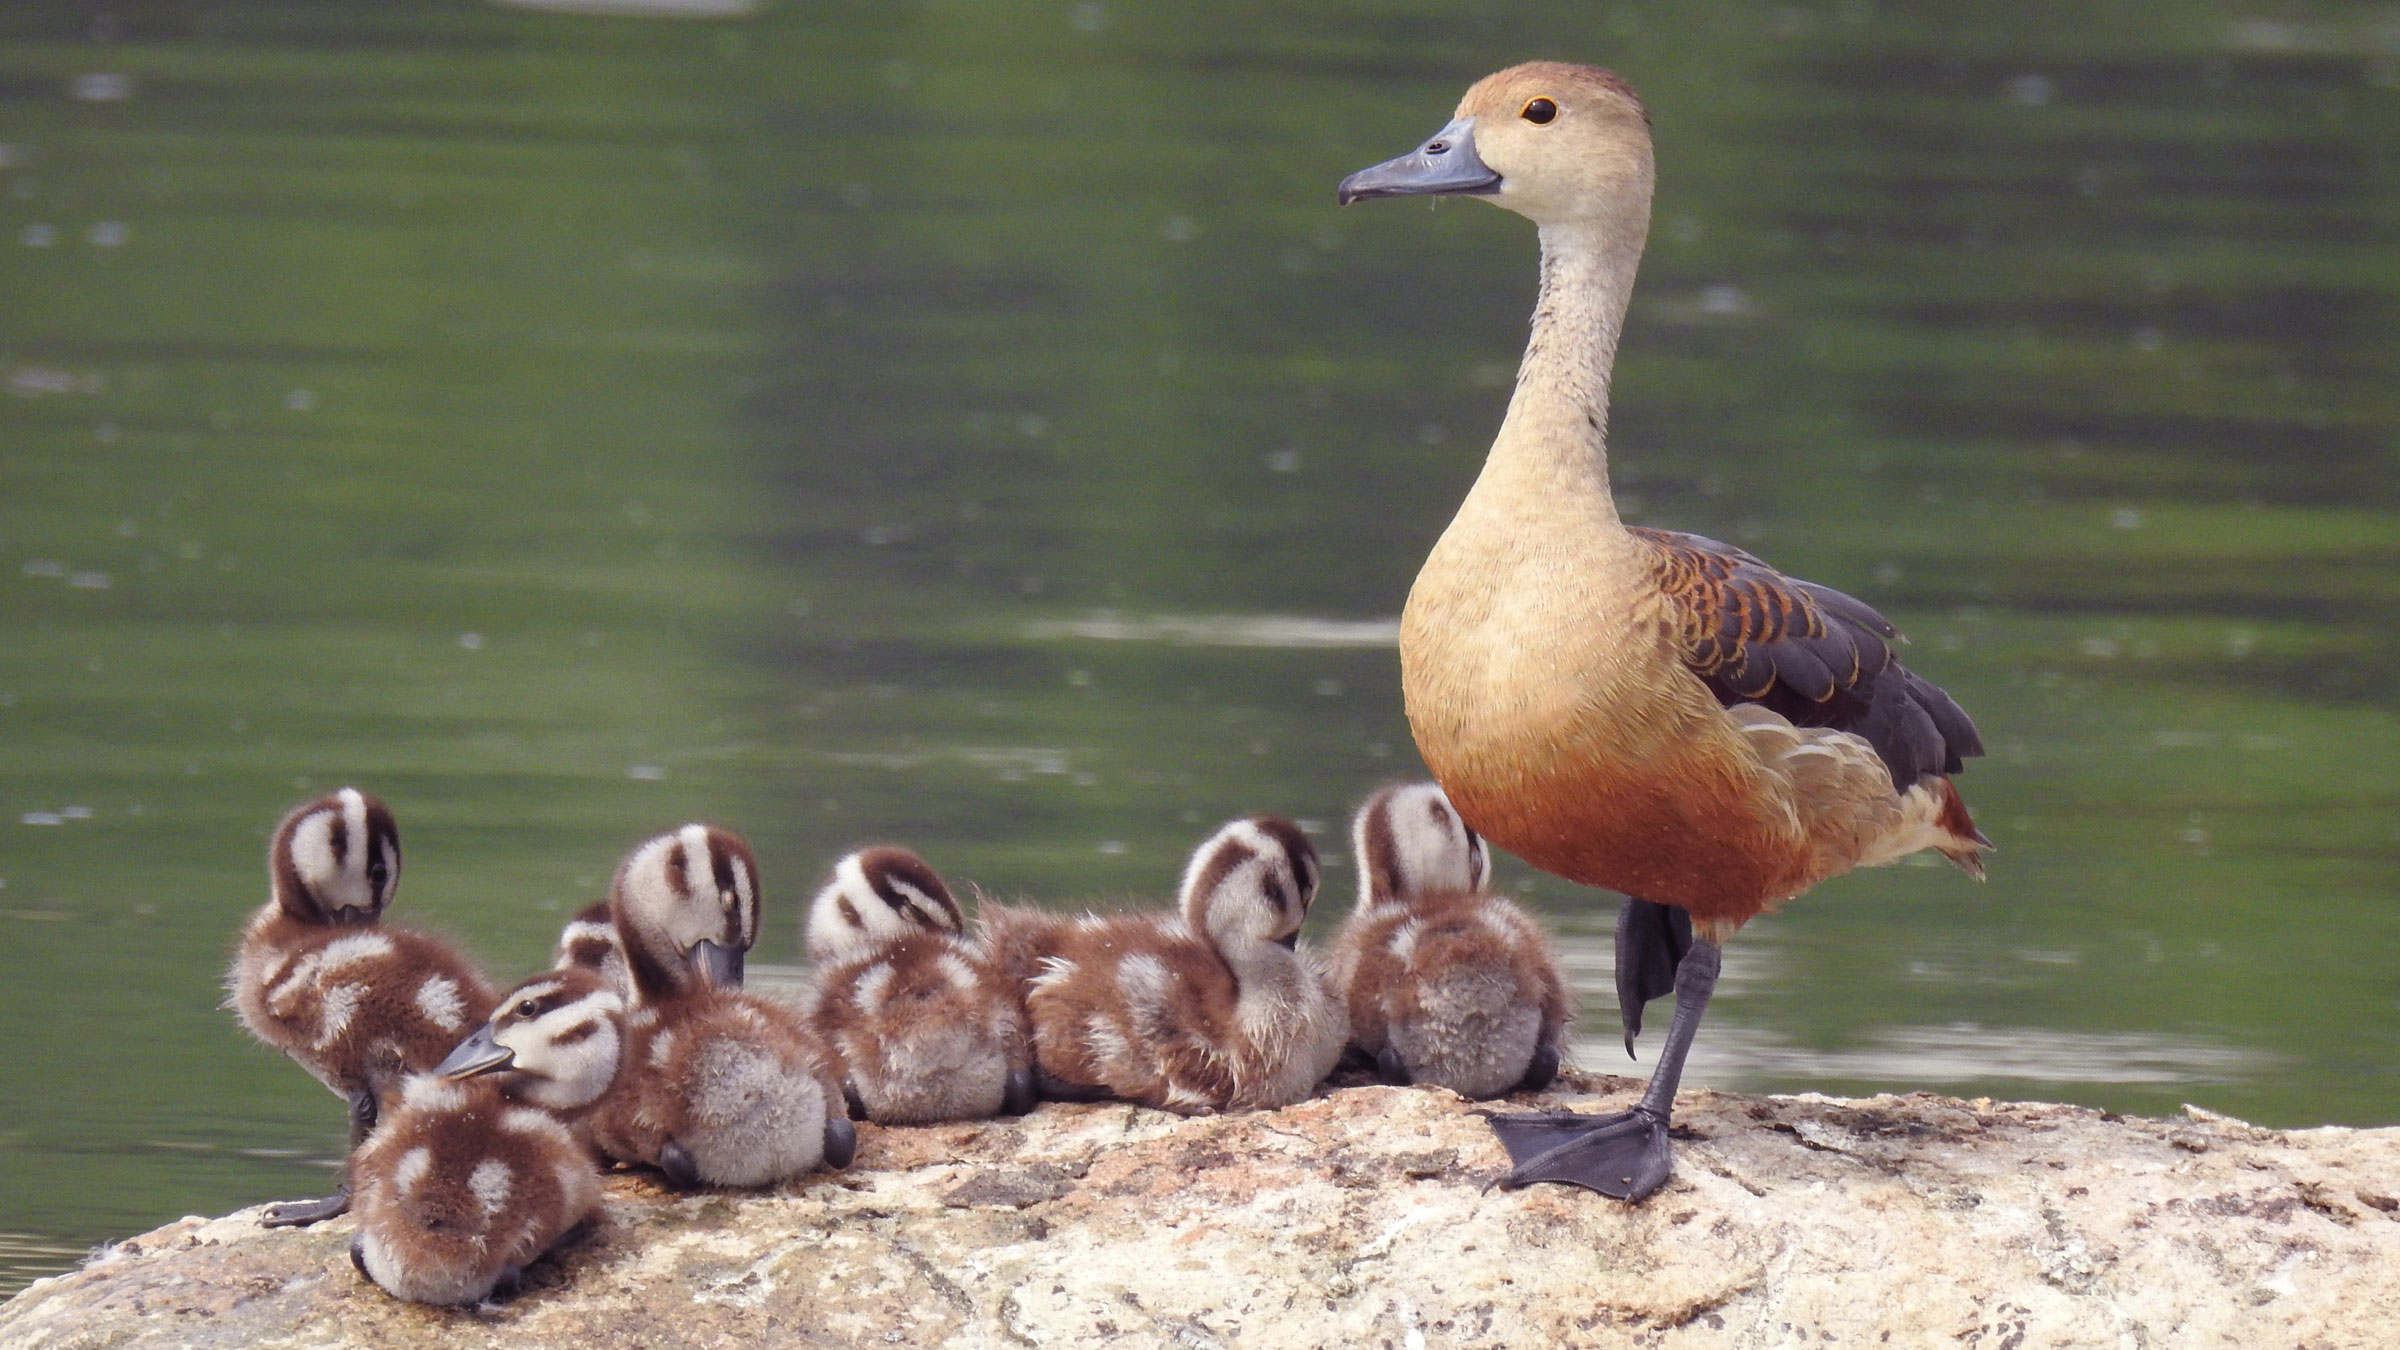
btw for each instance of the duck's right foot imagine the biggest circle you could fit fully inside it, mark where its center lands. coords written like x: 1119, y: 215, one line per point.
x: 302, y: 1213
x: 1624, y: 1156
x: 841, y: 1142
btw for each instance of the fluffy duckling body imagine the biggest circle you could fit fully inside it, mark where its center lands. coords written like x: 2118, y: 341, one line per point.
x: 1445, y: 982
x: 1215, y: 1008
x: 1674, y: 718
x: 478, y: 1171
x: 920, y: 1027
x: 358, y: 1003
x: 722, y: 1088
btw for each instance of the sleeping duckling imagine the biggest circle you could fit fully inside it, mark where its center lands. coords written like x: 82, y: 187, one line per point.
x: 478, y: 1171
x: 358, y: 1004
x: 590, y: 941
x: 919, y: 1025
x: 1212, y: 1009
x: 1445, y: 982
x: 722, y: 1088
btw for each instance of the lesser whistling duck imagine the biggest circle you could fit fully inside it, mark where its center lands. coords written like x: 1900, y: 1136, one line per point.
x: 1653, y: 712
x: 920, y: 1026
x: 721, y: 1087
x: 1214, y: 1008
x: 478, y: 1171
x: 358, y: 1003
x: 1445, y: 982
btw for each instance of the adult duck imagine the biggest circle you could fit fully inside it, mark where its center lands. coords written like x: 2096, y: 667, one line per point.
x: 1653, y: 712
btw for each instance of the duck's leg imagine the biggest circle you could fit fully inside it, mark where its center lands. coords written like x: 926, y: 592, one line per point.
x: 302, y: 1213
x: 1624, y: 1155
x: 1651, y: 942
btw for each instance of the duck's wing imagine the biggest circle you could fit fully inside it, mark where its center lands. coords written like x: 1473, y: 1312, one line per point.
x: 1808, y: 652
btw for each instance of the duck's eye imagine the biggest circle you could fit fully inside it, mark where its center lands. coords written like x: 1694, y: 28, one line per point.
x: 526, y: 1008
x: 1539, y: 112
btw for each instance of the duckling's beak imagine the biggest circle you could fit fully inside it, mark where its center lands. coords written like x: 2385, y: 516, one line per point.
x: 719, y: 967
x: 1446, y: 164
x: 1290, y: 941
x: 477, y: 1054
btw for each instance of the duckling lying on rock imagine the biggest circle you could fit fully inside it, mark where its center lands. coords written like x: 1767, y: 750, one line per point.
x: 479, y: 1171
x: 1213, y: 1008
x: 357, y: 1003
x: 921, y: 1026
x: 722, y: 1088
x: 1445, y: 982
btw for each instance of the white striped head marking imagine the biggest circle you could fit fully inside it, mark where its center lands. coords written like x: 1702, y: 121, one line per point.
x: 1410, y: 841
x: 335, y: 859
x: 875, y: 896
x: 564, y: 1031
x: 698, y: 884
x: 1253, y: 880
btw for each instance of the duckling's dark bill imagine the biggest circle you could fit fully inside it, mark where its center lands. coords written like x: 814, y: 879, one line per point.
x: 1444, y: 165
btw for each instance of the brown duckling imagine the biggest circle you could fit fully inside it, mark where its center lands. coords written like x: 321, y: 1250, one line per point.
x: 920, y: 1026
x: 479, y: 1171
x: 1445, y: 982
x: 1215, y: 1008
x: 358, y: 1003
x: 722, y: 1088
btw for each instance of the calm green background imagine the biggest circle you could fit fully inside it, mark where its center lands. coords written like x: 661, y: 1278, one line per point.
x: 858, y: 421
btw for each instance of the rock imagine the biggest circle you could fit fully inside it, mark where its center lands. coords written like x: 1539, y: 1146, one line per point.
x: 1360, y: 1218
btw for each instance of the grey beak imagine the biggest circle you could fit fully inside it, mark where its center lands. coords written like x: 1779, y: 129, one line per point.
x: 719, y: 967
x: 1446, y: 164
x: 1290, y: 942
x: 477, y: 1054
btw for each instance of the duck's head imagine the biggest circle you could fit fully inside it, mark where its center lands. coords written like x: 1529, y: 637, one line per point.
x: 1410, y: 841
x: 1555, y: 142
x: 1251, y: 882
x: 336, y: 859
x: 875, y: 896
x: 554, y: 1041
x: 686, y: 907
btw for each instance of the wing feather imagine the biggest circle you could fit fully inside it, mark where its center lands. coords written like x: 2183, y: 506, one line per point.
x: 1808, y: 652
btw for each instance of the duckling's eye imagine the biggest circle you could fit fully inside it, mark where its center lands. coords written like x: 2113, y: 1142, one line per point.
x: 526, y: 1008
x: 1539, y: 112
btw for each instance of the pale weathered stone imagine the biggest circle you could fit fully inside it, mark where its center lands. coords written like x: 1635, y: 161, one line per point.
x: 1360, y: 1219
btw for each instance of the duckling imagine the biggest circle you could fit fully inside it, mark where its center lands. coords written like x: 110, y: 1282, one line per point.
x: 920, y: 1026
x: 1675, y: 719
x: 1216, y: 1008
x: 478, y: 1172
x: 1445, y: 982
x: 357, y: 1003
x: 722, y: 1088
x: 590, y: 941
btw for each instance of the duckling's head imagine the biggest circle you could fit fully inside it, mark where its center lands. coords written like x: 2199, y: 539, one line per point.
x: 875, y: 896
x: 1252, y: 881
x: 1555, y: 142
x: 336, y: 859
x: 686, y: 906
x: 1410, y: 841
x: 554, y: 1041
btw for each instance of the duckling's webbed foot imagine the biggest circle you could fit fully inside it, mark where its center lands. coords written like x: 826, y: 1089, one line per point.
x: 1542, y: 1070
x: 302, y: 1213
x: 1391, y: 1069
x: 1652, y: 940
x: 676, y: 1161
x: 1624, y: 1155
x: 1017, y: 1098
x: 841, y: 1142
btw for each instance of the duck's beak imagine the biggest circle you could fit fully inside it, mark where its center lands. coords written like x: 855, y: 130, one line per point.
x: 719, y: 967
x: 1446, y: 164
x: 477, y: 1054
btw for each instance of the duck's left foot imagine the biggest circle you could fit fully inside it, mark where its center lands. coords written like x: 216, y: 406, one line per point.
x: 841, y: 1142
x: 1392, y: 1069
x: 1624, y: 1156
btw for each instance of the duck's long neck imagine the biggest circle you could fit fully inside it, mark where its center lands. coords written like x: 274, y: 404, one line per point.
x: 1553, y: 445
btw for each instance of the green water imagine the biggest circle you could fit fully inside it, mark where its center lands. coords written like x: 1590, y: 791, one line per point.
x: 903, y: 421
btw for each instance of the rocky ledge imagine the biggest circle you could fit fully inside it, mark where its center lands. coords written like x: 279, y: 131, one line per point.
x: 1361, y: 1218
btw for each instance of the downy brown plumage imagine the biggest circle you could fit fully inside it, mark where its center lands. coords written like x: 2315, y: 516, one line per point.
x: 1446, y: 983
x: 358, y: 1003
x: 921, y: 1028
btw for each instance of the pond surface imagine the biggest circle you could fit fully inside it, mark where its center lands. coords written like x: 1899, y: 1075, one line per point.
x: 973, y: 425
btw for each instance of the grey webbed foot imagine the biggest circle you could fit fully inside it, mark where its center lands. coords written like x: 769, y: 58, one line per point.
x: 1055, y: 1089
x: 1624, y: 1156
x: 1652, y: 941
x: 841, y: 1142
x: 1543, y: 1070
x: 302, y: 1213
x: 676, y: 1161
x: 1391, y: 1068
